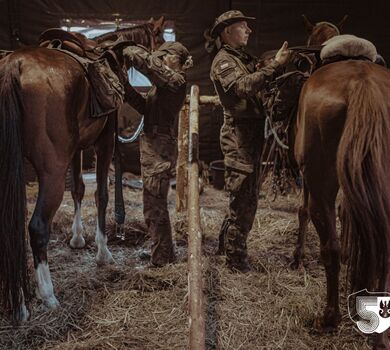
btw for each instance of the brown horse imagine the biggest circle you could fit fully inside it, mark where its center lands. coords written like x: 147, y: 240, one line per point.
x: 343, y: 141
x: 45, y: 116
x: 317, y: 34
x: 149, y: 35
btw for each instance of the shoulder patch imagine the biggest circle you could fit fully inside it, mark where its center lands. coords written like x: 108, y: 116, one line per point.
x: 226, y: 68
x: 225, y: 73
x: 226, y: 64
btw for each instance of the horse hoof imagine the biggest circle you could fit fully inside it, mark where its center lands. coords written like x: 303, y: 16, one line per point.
x: 23, y: 315
x: 295, y: 265
x: 104, y: 258
x: 327, y: 323
x: 77, y: 242
x: 51, y: 303
x: 297, y: 257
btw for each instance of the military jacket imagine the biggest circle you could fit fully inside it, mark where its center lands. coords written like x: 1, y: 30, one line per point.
x: 152, y: 66
x: 160, y: 107
x: 165, y: 99
x: 237, y: 83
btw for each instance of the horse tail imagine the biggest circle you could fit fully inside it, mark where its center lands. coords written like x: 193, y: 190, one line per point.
x: 14, y: 281
x: 363, y: 165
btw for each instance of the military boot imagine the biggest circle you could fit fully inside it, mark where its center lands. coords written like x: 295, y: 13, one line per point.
x: 221, y: 238
x: 236, y: 250
x: 162, y: 247
x: 238, y: 263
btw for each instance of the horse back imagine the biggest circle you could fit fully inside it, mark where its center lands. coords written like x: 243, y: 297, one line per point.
x: 336, y: 80
x: 42, y: 65
x: 324, y: 103
x: 55, y: 94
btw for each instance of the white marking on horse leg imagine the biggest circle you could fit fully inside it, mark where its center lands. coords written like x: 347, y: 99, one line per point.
x: 45, y: 286
x: 77, y: 240
x: 23, y: 315
x: 103, y: 256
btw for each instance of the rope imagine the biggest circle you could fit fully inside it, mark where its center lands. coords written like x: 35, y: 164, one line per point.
x: 268, y: 125
x: 136, y: 133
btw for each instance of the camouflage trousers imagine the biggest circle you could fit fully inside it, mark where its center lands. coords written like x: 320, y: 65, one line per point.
x: 242, y: 146
x: 158, y: 157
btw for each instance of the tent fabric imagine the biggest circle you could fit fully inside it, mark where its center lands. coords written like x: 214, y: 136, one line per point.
x: 277, y: 20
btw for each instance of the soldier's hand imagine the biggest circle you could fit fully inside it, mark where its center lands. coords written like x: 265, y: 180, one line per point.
x: 176, y: 79
x: 283, y: 55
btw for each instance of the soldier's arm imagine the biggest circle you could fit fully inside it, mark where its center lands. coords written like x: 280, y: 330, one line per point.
x: 231, y: 76
x: 159, y: 74
x: 135, y: 99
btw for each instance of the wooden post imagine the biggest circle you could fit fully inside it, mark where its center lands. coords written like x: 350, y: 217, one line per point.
x: 182, y: 156
x: 195, y: 278
x: 182, y: 159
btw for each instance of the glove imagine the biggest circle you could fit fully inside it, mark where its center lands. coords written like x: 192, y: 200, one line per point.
x: 283, y: 55
x: 175, y: 81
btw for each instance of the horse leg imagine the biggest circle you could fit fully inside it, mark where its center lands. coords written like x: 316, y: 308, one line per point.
x: 322, y: 197
x: 51, y: 190
x: 78, y: 190
x: 303, y: 217
x: 104, y: 147
x: 381, y: 341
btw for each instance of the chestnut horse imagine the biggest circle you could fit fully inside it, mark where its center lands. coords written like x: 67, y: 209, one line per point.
x: 343, y: 142
x: 45, y: 116
x: 317, y: 34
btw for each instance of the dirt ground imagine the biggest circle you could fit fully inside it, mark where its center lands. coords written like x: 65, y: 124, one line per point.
x: 130, y: 306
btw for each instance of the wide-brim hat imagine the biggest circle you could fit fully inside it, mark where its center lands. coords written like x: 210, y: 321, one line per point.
x: 226, y: 19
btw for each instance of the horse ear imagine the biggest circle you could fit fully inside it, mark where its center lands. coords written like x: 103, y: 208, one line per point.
x: 309, y: 27
x: 150, y: 23
x: 158, y: 24
x: 341, y: 23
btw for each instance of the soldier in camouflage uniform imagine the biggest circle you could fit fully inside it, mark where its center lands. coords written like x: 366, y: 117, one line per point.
x: 158, y: 145
x: 237, y: 83
x: 151, y: 65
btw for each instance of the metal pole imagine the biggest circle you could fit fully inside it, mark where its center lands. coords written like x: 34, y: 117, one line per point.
x: 195, y: 282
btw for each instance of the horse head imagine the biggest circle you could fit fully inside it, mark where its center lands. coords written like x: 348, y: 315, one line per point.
x: 148, y: 34
x: 157, y: 28
x: 322, y: 31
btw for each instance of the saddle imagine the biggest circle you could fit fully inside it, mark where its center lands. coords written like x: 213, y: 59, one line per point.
x: 70, y: 41
x: 101, y: 65
x: 346, y: 46
x: 78, y: 43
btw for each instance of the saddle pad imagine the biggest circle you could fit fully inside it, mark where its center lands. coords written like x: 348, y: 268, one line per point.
x: 348, y: 46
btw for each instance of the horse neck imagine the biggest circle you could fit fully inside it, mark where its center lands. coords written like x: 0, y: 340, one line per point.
x: 140, y: 34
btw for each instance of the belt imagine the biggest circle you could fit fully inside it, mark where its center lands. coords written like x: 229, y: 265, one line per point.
x: 239, y: 121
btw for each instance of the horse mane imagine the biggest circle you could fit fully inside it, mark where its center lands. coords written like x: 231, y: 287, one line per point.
x: 140, y: 34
